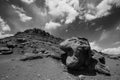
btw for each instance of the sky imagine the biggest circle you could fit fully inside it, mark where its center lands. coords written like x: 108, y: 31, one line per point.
x: 96, y: 20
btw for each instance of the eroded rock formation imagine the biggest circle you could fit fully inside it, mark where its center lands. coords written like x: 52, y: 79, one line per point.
x: 77, y: 50
x: 78, y: 55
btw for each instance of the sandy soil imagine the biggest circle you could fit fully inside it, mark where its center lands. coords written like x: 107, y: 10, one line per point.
x: 47, y: 69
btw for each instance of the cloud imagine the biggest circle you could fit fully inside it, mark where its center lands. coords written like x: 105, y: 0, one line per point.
x: 28, y: 1
x: 90, y: 13
x: 3, y: 25
x: 21, y: 14
x: 89, y: 16
x: 23, y: 17
x: 95, y: 46
x: 112, y: 51
x: 106, y: 5
x: 52, y: 26
x: 5, y: 35
x: 102, y: 9
x: 70, y: 9
x: 116, y: 43
x: 63, y: 8
x: 104, y: 35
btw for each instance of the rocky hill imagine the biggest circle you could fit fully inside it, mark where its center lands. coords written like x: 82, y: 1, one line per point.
x: 28, y: 41
x: 36, y: 55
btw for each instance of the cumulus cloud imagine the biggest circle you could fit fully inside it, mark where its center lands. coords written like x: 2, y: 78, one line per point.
x: 3, y: 25
x: 112, y: 51
x: 21, y: 14
x: 90, y: 13
x: 70, y: 9
x: 28, y: 1
x: 95, y: 46
x: 64, y: 8
x: 52, y: 26
x: 103, y: 9
x: 3, y: 28
x: 89, y: 16
x: 5, y: 35
x: 23, y: 17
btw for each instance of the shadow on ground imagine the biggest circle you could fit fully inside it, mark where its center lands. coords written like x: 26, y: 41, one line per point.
x: 85, y: 70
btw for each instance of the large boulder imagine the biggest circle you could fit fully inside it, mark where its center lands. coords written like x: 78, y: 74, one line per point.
x: 77, y: 52
x: 79, y: 56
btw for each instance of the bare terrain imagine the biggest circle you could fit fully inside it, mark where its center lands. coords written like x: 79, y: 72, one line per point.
x: 47, y: 69
x: 18, y: 60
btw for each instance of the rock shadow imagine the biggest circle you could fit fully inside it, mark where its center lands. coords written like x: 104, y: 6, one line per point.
x: 88, y: 70
x: 84, y: 70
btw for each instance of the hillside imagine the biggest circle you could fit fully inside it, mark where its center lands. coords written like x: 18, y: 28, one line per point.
x: 29, y: 41
x: 36, y: 55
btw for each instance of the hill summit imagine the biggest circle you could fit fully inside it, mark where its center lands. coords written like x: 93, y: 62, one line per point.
x: 28, y: 41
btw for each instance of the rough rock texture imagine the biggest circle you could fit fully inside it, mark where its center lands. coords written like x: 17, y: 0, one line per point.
x: 77, y: 52
x: 30, y: 41
x: 5, y: 50
x: 78, y: 55
x: 100, y: 63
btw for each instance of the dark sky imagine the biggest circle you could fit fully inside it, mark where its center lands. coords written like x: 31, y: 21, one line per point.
x: 102, y: 28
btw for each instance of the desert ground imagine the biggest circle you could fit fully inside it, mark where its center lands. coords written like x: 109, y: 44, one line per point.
x: 37, y: 55
x: 48, y: 69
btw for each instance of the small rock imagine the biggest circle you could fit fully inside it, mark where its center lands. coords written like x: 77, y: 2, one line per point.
x: 81, y: 77
x: 31, y: 56
x: 77, y: 52
x: 5, y: 50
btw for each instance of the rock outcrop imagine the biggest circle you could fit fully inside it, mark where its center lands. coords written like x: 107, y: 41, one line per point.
x: 29, y: 41
x: 99, y: 65
x: 78, y: 55
x: 5, y: 50
x: 77, y: 52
